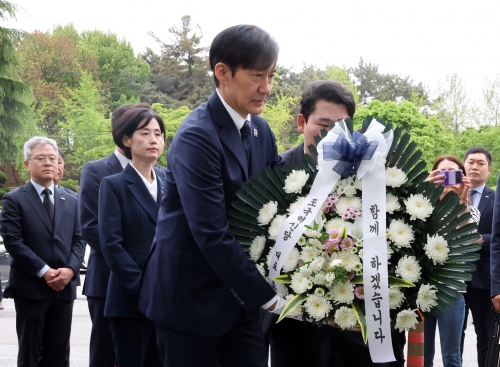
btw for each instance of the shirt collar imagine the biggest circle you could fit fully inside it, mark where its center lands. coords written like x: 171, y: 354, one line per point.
x: 238, y: 120
x: 40, y: 188
x: 153, y: 186
x: 121, y: 158
x: 480, y: 189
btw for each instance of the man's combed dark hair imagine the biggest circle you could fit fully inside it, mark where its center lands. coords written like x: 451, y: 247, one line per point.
x: 245, y: 46
x: 478, y: 149
x: 329, y: 91
x: 133, y: 119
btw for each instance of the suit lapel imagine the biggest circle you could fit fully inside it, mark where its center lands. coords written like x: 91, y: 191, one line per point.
x: 228, y: 134
x: 114, y: 164
x: 36, y: 202
x: 59, y: 205
x: 141, y: 193
x: 485, y: 199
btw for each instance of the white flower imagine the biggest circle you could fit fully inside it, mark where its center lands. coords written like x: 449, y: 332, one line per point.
x: 355, y: 230
x: 344, y: 202
x: 391, y: 203
x: 400, y: 233
x: 317, y: 264
x: 305, y: 270
x: 296, y: 205
x: 349, y: 260
x: 427, y: 298
x: 320, y: 279
x: 256, y: 248
x: 335, y: 262
x: 343, y: 292
x: 267, y: 213
x: 261, y: 270
x: 311, y: 233
x: 418, y: 206
x: 345, y: 318
x: 394, y: 177
x: 308, y: 254
x: 275, y: 226
x: 390, y: 251
x: 406, y: 320
x: 296, y: 181
x: 317, y: 307
x: 319, y: 292
x: 408, y: 268
x: 335, y: 224
x: 346, y: 187
x: 296, y: 311
x: 437, y: 249
x: 292, y: 260
x: 316, y: 243
x: 361, y: 253
x: 299, y: 283
x: 396, y: 298
x: 329, y: 277
x: 301, y: 241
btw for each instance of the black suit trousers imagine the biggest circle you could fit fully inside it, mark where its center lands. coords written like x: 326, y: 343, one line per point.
x: 242, y: 346
x: 43, y: 331
x: 134, y: 341
x: 102, y: 353
x: 478, y: 301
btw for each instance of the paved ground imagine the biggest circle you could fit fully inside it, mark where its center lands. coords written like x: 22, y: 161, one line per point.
x: 80, y: 337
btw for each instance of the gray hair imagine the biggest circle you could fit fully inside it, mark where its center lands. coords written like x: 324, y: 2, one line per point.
x: 37, y: 140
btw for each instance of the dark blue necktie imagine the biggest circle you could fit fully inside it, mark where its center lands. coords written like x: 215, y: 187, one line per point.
x: 473, y: 194
x: 245, y: 139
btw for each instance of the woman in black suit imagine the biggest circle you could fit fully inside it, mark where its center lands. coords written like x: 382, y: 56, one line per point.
x: 128, y: 211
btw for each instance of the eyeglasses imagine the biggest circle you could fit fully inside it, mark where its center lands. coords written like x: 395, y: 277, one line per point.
x: 42, y: 159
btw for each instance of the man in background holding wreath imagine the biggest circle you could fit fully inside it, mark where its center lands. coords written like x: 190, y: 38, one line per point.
x: 293, y: 343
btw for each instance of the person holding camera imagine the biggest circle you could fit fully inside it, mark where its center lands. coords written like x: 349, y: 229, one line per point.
x: 448, y: 170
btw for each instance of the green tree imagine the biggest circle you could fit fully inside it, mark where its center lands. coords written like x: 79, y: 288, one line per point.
x: 452, y: 104
x: 85, y: 131
x: 490, y: 110
x: 52, y: 64
x: 278, y: 117
x: 341, y: 75
x: 372, y: 84
x: 182, y: 70
x: 428, y: 132
x: 16, y: 98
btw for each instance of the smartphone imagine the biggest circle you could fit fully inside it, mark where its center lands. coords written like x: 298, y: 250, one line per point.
x: 453, y: 177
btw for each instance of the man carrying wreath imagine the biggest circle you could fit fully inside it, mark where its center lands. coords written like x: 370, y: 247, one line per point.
x: 198, y: 286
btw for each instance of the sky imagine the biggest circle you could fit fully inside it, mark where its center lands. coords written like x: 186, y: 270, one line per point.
x: 425, y: 39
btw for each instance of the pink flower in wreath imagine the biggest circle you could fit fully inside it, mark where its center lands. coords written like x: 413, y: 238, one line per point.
x: 347, y: 243
x: 359, y: 292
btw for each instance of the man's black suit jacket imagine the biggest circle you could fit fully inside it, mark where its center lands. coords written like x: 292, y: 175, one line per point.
x: 32, y: 242
x: 96, y: 280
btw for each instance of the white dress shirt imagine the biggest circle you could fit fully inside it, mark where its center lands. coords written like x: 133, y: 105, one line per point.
x: 153, y: 186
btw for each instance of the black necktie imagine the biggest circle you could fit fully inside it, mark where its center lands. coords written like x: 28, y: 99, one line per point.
x: 245, y: 139
x: 48, y: 205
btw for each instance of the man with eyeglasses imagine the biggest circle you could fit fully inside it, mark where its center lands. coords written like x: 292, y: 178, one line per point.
x: 41, y: 231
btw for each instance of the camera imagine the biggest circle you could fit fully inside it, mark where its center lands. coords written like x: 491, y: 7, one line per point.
x: 453, y: 177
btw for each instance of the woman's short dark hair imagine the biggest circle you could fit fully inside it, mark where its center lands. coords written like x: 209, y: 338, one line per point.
x: 329, y: 91
x: 450, y: 158
x: 131, y: 120
x: 245, y: 46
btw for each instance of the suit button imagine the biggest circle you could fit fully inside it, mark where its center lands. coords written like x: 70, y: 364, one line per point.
x: 232, y: 291
x: 55, y: 244
x: 242, y: 302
